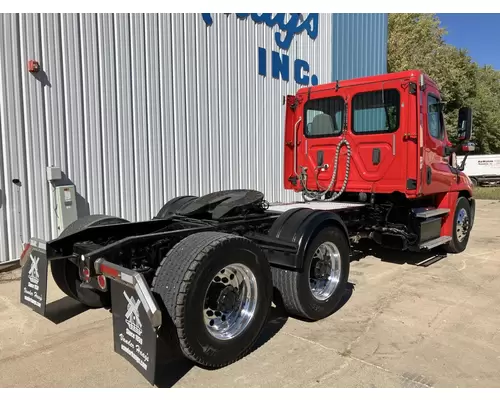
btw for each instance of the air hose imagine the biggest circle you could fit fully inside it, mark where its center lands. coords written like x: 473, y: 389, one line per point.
x: 318, y: 195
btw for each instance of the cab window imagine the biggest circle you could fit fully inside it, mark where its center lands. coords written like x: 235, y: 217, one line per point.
x: 324, y: 117
x: 434, y: 117
x: 376, y: 112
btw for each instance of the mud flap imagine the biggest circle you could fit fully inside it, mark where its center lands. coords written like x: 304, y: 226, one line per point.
x: 135, y: 337
x: 34, y: 277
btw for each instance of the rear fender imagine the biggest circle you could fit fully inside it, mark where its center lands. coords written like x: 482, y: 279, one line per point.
x: 301, y: 225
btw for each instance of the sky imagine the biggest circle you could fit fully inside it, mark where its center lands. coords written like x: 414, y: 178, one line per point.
x: 478, y: 33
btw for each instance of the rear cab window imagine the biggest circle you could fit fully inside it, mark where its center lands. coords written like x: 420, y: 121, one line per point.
x: 324, y: 117
x: 376, y: 112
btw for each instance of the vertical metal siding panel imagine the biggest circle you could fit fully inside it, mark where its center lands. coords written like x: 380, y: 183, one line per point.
x: 191, y: 153
x: 13, y: 146
x: 34, y: 129
x: 359, y: 45
x: 108, y: 112
x: 5, y: 212
x: 203, y: 105
x: 154, y: 155
x: 274, y: 131
x: 140, y: 129
x: 54, y: 112
x: 73, y: 99
x: 244, y: 67
x: 234, y: 111
x: 225, y: 109
x: 213, y: 115
x: 125, y: 117
x: 167, y: 107
x: 91, y: 113
x: 260, y: 106
x: 179, y: 102
x: 252, y: 78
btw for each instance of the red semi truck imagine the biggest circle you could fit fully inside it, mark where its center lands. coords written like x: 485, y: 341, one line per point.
x: 372, y: 160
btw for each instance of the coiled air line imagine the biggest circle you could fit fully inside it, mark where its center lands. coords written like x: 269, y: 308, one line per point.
x: 318, y: 195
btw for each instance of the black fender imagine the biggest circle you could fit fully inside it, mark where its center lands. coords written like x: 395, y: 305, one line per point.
x: 301, y: 225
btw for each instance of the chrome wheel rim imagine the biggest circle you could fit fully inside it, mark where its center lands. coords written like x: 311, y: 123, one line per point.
x: 230, y: 301
x: 325, y: 271
x: 462, y: 227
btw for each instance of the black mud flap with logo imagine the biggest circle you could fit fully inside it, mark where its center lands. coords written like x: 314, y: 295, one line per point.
x: 34, y: 276
x: 134, y: 335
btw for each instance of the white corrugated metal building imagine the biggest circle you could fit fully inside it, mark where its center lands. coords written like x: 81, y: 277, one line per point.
x: 138, y: 108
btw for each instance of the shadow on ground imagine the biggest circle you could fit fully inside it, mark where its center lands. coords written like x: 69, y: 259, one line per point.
x: 424, y: 259
x: 63, y: 309
x: 172, y: 365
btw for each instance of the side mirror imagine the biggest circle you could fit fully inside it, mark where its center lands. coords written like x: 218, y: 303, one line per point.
x: 464, y: 124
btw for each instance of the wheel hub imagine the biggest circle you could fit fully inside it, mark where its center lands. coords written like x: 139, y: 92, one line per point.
x: 322, y: 269
x: 228, y: 299
x: 462, y: 225
x: 325, y: 271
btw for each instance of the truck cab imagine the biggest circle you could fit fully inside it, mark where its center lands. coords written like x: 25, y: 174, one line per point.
x: 381, y: 140
x: 391, y: 133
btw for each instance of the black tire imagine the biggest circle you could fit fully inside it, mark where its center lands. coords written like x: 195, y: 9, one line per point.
x: 294, y: 288
x: 474, y: 181
x: 65, y: 273
x: 173, y: 205
x: 183, y: 279
x: 456, y: 245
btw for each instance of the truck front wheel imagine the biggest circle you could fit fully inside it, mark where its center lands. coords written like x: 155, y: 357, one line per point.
x: 217, y: 288
x: 462, y: 224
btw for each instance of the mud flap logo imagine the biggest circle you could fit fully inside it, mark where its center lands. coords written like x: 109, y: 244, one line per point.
x: 132, y: 316
x: 33, y: 274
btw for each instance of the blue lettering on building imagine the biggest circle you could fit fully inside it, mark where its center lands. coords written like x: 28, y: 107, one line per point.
x: 280, y: 64
x: 289, y: 25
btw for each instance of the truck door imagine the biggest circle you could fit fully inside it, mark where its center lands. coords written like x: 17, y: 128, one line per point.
x: 437, y: 175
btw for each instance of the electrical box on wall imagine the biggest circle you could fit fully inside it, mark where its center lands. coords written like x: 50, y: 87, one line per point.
x: 65, y: 206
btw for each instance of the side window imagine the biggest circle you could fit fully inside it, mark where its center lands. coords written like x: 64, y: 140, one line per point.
x: 376, y: 112
x: 324, y: 117
x: 434, y: 117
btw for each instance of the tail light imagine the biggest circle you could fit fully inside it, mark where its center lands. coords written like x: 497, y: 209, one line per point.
x: 24, y: 254
x: 101, y: 281
x: 86, y: 274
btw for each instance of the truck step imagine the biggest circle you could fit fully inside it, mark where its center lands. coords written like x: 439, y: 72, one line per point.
x: 435, y: 242
x: 432, y: 213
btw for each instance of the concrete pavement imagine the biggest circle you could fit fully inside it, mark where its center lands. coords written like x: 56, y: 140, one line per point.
x: 402, y: 325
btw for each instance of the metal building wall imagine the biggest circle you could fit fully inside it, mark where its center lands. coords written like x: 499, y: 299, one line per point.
x: 359, y: 45
x: 137, y: 109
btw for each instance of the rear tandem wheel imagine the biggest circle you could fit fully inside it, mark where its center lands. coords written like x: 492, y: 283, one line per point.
x: 217, y: 289
x: 314, y: 292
